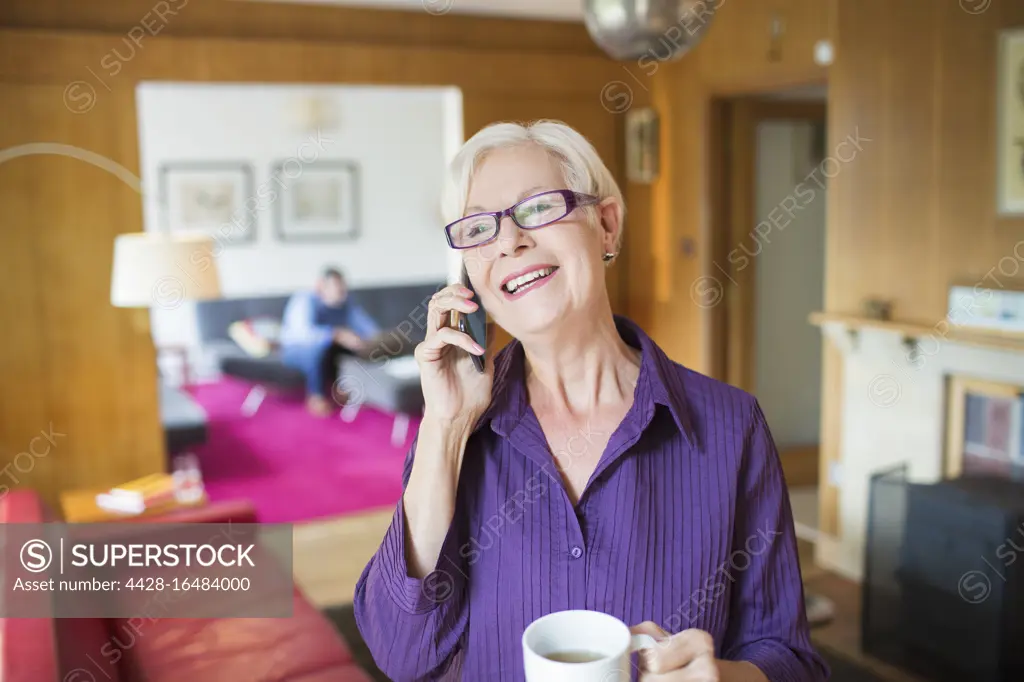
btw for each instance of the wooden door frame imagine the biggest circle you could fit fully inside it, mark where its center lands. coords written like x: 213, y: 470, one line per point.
x: 733, y: 164
x: 733, y: 159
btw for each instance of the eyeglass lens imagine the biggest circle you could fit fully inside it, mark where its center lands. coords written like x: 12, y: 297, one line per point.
x: 534, y: 212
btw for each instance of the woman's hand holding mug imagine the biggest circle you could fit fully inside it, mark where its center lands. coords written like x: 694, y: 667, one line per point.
x: 688, y: 656
x: 453, y: 390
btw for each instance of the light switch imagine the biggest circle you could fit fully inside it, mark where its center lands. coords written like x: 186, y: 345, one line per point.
x: 835, y: 474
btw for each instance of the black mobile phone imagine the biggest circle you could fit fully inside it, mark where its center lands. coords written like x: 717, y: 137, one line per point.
x: 473, y: 324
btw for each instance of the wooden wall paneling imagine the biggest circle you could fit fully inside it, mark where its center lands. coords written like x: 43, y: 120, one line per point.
x: 908, y: 144
x: 832, y: 20
x: 741, y: 281
x: 739, y: 55
x: 989, y: 253
x: 964, y: 175
x: 70, y: 56
x: 91, y: 377
x: 78, y: 368
x: 308, y: 22
x: 830, y: 452
x: 135, y: 358
x: 24, y: 400
x: 691, y: 246
x: 764, y: 109
x: 917, y: 209
x: 681, y: 253
x: 121, y: 415
x: 800, y: 466
x: 633, y: 263
x: 629, y: 89
x: 847, y: 93
x: 857, y: 181
x: 626, y: 286
x: 652, y: 256
x: 719, y: 178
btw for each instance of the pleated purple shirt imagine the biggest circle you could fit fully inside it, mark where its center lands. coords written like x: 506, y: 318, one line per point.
x: 685, y: 522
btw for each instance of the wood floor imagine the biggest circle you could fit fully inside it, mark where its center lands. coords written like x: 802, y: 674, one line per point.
x: 330, y: 556
x: 842, y: 635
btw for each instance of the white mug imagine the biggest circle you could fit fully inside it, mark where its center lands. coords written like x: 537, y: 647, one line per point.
x: 604, y: 640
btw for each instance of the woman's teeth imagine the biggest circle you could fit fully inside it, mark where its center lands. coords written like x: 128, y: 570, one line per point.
x: 527, y: 280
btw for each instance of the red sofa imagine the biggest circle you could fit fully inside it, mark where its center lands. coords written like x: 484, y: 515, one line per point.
x: 303, y: 648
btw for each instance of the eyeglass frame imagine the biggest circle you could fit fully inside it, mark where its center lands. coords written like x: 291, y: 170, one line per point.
x: 573, y: 200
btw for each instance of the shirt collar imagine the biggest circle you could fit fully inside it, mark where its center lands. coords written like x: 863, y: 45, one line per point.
x: 508, y: 393
x: 659, y: 381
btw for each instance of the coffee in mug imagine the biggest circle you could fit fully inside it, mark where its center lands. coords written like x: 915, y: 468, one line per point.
x: 580, y: 646
x: 574, y: 656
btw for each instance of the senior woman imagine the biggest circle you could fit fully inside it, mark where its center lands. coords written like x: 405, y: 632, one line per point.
x: 583, y: 469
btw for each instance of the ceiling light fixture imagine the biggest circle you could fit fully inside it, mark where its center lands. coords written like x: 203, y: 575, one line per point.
x: 658, y: 30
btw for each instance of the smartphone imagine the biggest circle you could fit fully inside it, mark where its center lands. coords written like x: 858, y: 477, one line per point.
x: 473, y: 324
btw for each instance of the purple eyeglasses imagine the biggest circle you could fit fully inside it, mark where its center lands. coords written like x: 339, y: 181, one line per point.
x: 539, y: 210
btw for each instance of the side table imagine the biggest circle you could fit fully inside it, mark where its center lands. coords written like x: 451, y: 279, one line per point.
x: 79, y: 506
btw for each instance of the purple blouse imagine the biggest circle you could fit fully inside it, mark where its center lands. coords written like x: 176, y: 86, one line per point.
x: 685, y: 522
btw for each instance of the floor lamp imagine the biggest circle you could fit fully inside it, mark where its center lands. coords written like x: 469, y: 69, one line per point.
x: 162, y: 270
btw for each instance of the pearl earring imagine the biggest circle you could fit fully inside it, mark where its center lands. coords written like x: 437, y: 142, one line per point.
x: 608, y: 257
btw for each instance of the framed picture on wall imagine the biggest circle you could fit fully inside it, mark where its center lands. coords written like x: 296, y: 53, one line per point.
x: 984, y: 422
x: 208, y: 196
x: 317, y: 201
x: 642, y: 130
x: 1010, y: 126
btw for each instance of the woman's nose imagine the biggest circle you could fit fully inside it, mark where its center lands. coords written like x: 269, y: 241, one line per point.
x: 511, y: 237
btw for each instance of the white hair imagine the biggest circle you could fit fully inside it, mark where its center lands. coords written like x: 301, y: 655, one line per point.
x: 581, y: 167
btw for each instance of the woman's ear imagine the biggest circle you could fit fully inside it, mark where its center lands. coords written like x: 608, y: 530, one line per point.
x: 609, y: 213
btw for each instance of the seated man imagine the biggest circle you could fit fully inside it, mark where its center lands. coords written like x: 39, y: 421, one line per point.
x: 319, y: 326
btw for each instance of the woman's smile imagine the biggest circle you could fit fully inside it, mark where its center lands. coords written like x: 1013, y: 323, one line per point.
x: 520, y: 283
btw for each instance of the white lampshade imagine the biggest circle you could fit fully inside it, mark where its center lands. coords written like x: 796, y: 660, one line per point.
x: 161, y: 270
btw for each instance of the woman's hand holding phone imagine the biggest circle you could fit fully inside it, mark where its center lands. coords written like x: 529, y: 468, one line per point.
x: 455, y: 396
x: 454, y: 391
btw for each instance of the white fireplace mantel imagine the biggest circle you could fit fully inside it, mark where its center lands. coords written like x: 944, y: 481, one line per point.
x: 844, y: 330
x: 893, y: 405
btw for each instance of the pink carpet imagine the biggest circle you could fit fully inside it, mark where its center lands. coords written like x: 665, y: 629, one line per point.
x: 293, y: 466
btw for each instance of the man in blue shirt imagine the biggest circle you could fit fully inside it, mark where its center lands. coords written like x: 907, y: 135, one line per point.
x: 318, y: 327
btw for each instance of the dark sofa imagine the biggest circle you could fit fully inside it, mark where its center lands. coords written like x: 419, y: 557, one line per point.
x: 380, y: 378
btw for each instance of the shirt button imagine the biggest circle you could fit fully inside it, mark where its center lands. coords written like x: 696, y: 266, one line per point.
x: 576, y: 552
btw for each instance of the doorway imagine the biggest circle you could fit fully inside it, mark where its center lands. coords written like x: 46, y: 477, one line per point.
x: 769, y: 199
